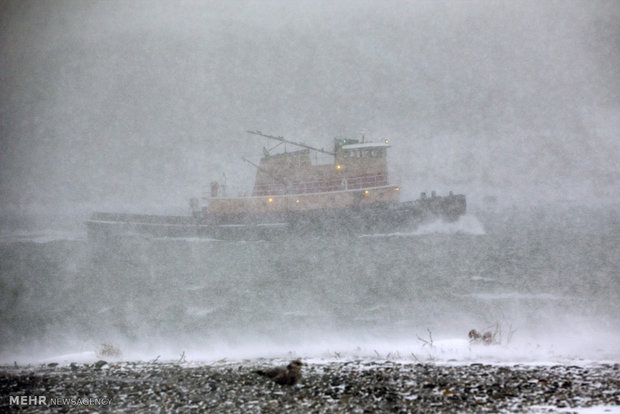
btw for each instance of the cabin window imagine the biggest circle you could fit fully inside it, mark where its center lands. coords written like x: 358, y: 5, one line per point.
x: 366, y: 153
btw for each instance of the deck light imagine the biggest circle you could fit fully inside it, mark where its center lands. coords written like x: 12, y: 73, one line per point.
x: 366, y: 192
x: 397, y: 189
x: 338, y: 167
x: 297, y: 201
x: 387, y: 141
x: 270, y: 200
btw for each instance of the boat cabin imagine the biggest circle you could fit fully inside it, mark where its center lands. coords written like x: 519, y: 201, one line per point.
x: 289, y: 181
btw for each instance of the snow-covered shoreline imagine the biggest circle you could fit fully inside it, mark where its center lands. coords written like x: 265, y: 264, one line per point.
x: 331, y: 386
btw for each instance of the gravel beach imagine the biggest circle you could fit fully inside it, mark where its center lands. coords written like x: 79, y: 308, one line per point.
x: 353, y: 386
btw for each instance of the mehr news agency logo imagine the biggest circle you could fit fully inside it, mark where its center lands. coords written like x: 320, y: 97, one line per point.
x: 42, y: 400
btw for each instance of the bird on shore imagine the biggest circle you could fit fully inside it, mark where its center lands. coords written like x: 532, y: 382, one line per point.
x: 289, y: 375
x: 476, y: 338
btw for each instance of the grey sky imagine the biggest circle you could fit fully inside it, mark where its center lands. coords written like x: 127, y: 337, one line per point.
x: 141, y: 104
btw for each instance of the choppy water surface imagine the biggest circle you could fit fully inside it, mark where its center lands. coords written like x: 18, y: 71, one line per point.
x: 548, y: 283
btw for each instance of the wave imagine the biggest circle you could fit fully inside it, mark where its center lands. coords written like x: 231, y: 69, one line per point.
x: 482, y: 279
x: 447, y: 350
x: 41, y: 236
x: 516, y: 296
x: 187, y: 239
x: 199, y: 312
x: 468, y: 224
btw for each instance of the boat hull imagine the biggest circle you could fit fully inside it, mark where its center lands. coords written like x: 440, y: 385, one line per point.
x: 379, y: 218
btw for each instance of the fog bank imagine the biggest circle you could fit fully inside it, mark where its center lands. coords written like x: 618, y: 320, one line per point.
x: 138, y: 105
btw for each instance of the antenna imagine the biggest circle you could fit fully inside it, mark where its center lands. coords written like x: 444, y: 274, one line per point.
x: 363, y: 134
x: 275, y: 177
x: 286, y: 141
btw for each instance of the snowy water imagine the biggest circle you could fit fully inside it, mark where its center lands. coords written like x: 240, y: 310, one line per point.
x: 547, y: 283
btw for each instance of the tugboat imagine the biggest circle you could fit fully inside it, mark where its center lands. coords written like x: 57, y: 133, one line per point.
x: 294, y: 197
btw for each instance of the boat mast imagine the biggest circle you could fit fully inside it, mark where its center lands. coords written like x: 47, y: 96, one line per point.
x: 286, y: 141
